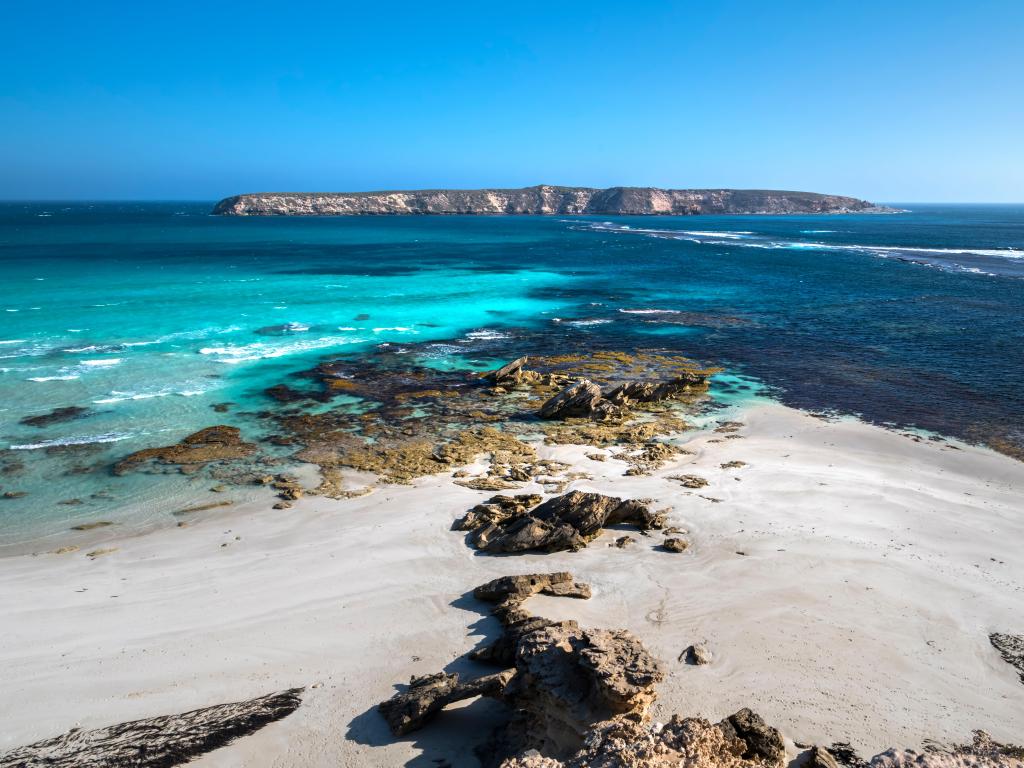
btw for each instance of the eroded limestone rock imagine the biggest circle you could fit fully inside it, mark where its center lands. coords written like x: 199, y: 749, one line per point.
x: 579, y: 400
x: 427, y: 695
x: 156, y: 742
x: 568, y: 522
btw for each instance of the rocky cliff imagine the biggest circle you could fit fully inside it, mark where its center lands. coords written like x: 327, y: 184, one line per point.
x: 542, y: 200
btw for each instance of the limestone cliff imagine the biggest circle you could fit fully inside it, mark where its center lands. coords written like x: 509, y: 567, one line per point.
x: 542, y: 200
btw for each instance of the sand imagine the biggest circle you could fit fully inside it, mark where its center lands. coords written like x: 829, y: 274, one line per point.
x: 846, y: 583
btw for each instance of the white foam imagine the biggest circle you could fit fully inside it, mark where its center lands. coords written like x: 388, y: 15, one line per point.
x: 589, y: 322
x: 487, y: 335
x: 65, y: 377
x: 102, y: 363
x: 650, y: 311
x: 12, y: 341
x: 233, y: 354
x: 109, y: 437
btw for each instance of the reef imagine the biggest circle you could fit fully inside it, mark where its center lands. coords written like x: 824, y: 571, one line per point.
x: 410, y: 420
x: 542, y: 200
x: 219, y: 443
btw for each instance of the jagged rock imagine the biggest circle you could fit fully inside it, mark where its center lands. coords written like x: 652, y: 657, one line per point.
x: 157, y: 742
x: 763, y: 742
x: 579, y: 697
x: 508, y: 373
x: 578, y: 400
x: 569, y: 522
x: 211, y: 444
x: 567, y: 679
x: 624, y: 541
x: 410, y: 709
x: 675, y: 545
x: 656, y: 391
x: 1011, y: 648
x: 496, y: 510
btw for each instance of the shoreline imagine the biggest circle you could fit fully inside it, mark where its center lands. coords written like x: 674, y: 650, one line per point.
x: 858, y: 611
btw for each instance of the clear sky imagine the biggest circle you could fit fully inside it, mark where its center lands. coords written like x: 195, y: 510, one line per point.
x: 892, y: 101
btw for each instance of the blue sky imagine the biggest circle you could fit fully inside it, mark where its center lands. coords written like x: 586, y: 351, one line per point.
x: 907, y: 101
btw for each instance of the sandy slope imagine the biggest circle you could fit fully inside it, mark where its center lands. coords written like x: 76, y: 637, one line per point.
x: 874, y: 568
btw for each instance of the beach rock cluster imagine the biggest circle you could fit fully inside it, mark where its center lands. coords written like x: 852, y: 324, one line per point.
x: 584, y: 400
x: 156, y: 742
x: 579, y: 697
x: 566, y: 522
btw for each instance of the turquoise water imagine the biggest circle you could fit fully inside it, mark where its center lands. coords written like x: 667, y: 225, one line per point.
x: 150, y: 314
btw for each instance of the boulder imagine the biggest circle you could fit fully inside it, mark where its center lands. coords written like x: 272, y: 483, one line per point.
x: 763, y: 742
x: 577, y: 400
x: 568, y: 521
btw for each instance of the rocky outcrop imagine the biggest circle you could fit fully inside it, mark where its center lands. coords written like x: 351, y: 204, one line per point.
x: 656, y: 391
x: 542, y: 200
x: 156, y: 742
x: 1011, y: 648
x: 578, y: 400
x: 579, y: 697
x: 569, y: 521
x: 217, y: 443
x: 584, y: 400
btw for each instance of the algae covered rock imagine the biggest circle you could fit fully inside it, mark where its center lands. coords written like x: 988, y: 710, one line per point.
x: 218, y: 443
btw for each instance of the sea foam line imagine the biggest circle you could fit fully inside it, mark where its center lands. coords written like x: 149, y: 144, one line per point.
x: 109, y: 437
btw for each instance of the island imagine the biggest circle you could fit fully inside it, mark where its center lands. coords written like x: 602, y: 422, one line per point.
x: 543, y: 200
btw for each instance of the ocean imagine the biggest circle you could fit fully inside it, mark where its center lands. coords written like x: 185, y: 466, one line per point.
x: 158, y: 319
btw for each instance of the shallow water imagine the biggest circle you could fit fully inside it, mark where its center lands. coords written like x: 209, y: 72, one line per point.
x: 150, y: 314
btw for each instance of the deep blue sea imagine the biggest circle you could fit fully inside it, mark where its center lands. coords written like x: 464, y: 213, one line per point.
x: 148, y: 314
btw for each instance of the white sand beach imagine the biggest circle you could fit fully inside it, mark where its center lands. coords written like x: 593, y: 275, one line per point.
x: 846, y: 579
